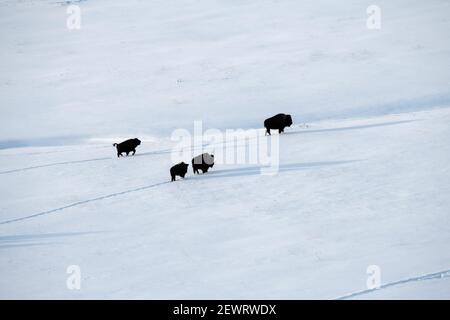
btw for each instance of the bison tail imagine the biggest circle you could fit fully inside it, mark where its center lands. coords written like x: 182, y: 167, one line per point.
x: 114, y: 144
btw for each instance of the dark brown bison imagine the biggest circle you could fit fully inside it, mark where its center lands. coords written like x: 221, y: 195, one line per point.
x: 127, y: 146
x: 278, y: 122
x: 203, y: 162
x: 179, y: 170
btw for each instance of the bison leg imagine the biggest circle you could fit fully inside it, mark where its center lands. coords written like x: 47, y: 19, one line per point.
x: 267, y: 132
x: 173, y: 178
x: 134, y: 152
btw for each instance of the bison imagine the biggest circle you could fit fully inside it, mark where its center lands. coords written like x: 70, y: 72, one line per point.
x: 127, y: 146
x: 203, y: 162
x: 278, y: 122
x: 179, y: 170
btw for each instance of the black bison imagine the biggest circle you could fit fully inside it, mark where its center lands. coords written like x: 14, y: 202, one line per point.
x: 278, y: 122
x: 179, y: 170
x: 127, y: 146
x: 203, y: 162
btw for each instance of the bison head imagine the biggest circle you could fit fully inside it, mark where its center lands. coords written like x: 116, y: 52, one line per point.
x: 208, y: 159
x: 288, y: 120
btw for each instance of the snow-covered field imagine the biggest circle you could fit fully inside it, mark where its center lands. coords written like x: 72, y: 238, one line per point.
x: 364, y: 173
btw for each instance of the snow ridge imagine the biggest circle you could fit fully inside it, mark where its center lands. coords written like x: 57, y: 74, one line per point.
x: 75, y: 204
x: 429, y: 276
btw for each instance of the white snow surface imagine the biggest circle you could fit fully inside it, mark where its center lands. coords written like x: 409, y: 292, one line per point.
x: 364, y: 173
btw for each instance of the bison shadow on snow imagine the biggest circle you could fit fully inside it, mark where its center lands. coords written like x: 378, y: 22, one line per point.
x: 256, y: 170
x: 30, y: 240
x: 356, y: 127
